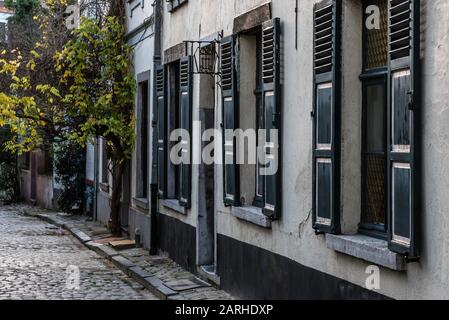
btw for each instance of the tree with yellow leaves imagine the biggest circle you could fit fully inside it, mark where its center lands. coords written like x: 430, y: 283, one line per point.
x: 93, y: 94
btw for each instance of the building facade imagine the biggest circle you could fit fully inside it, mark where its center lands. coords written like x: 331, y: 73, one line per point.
x: 345, y: 103
x: 135, y: 206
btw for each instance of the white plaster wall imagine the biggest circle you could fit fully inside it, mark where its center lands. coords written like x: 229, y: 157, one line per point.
x: 4, y: 17
x: 292, y: 236
x: 90, y: 161
x: 142, y: 61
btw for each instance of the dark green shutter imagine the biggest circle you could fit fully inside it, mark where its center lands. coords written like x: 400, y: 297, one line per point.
x: 403, y: 126
x: 272, y: 107
x: 185, y: 115
x: 326, y: 116
x: 161, y: 132
x: 230, y: 109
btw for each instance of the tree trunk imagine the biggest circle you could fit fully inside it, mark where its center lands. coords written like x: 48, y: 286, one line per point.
x: 117, y: 179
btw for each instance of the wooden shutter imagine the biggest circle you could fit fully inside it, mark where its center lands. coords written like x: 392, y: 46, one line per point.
x: 231, y: 181
x: 185, y: 98
x: 403, y: 126
x: 161, y: 132
x: 326, y: 115
x: 272, y: 108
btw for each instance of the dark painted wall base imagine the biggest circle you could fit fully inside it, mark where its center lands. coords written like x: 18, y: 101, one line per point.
x: 249, y: 272
x: 252, y: 273
x: 178, y: 240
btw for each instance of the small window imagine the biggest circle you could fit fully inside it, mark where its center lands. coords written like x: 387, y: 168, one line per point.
x: 374, y: 144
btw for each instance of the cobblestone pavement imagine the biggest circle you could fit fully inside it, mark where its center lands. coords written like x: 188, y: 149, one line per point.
x: 157, y: 273
x: 39, y: 261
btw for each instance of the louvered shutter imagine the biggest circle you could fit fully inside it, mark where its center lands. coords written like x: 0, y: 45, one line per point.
x: 403, y: 126
x: 326, y: 115
x: 231, y: 182
x: 272, y: 108
x: 161, y: 132
x: 185, y: 99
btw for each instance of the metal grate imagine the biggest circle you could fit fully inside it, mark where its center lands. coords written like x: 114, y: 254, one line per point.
x: 323, y: 42
x: 226, y: 65
x: 375, y: 189
x: 268, y: 55
x: 400, y: 29
x: 160, y: 81
x: 184, y: 74
x: 376, y: 46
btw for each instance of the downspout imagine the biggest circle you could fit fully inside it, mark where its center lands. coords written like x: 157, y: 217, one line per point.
x: 96, y: 165
x: 158, y: 12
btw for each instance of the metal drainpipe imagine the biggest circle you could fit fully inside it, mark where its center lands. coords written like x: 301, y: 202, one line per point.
x: 96, y: 157
x: 158, y: 7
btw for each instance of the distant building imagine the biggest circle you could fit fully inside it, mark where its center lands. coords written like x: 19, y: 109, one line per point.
x: 5, y: 13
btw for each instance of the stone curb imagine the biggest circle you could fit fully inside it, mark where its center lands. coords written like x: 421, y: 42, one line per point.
x: 150, y: 282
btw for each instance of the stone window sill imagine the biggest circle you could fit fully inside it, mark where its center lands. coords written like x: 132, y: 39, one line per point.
x: 174, y: 205
x: 253, y: 215
x: 141, y: 203
x: 367, y: 248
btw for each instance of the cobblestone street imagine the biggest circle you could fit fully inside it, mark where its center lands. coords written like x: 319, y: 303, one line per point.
x: 37, y: 258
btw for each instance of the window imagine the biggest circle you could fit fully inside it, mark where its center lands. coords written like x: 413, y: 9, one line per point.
x: 250, y: 116
x: 391, y: 146
x: 374, y: 144
x: 250, y: 64
x: 142, y: 136
x: 173, y: 124
x: 172, y: 5
x: 174, y: 110
x: 259, y: 198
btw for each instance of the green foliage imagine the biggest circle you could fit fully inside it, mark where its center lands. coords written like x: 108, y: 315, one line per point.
x: 83, y: 90
x: 8, y: 170
x: 96, y: 64
x: 24, y: 10
x: 8, y: 182
x: 94, y: 96
x: 70, y: 164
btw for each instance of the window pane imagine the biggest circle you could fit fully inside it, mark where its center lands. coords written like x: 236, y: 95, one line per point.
x: 375, y: 115
x: 376, y: 40
x: 375, y: 144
